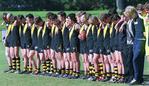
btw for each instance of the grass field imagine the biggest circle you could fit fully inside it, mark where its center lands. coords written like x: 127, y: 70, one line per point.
x: 30, y: 80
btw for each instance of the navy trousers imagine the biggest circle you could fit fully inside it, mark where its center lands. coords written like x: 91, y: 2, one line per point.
x: 138, y: 59
x: 128, y: 65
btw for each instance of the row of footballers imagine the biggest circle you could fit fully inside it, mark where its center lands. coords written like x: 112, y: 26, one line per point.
x: 58, y: 43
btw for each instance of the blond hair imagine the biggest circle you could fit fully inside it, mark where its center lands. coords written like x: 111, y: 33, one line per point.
x: 80, y: 13
x: 130, y: 11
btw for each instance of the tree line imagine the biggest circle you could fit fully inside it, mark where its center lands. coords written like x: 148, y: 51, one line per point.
x: 62, y: 4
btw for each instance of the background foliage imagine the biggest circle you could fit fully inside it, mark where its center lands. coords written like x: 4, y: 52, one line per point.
x: 61, y: 4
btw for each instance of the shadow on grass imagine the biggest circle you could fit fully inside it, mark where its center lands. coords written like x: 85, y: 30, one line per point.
x: 146, y: 80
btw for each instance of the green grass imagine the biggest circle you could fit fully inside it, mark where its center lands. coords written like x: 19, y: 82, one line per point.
x: 29, y: 80
x: 8, y: 79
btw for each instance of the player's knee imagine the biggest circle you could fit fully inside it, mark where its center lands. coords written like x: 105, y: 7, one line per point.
x: 7, y: 54
x: 94, y: 60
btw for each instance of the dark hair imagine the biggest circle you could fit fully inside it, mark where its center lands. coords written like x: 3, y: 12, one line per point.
x: 30, y: 16
x: 104, y: 16
x: 38, y: 20
x: 62, y: 13
x: 80, y: 13
x: 147, y: 6
x: 53, y: 17
x: 112, y: 11
x: 122, y: 12
x: 21, y: 17
x: 5, y: 14
x: 140, y: 7
x: 115, y: 17
x: 87, y: 15
x: 72, y: 16
x: 49, y: 14
x: 95, y: 18
x: 15, y: 18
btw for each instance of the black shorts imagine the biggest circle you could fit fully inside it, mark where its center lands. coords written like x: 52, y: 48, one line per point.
x: 52, y: 46
x: 112, y: 49
x: 40, y: 50
x: 121, y: 47
x: 97, y: 50
x: 34, y: 47
x: 15, y: 44
x: 7, y: 43
x: 106, y: 48
x: 106, y: 51
x: 66, y: 50
x: 66, y: 46
x: 46, y: 44
x: 25, y: 46
x: 90, y: 49
x: 46, y: 47
x: 73, y: 49
x: 116, y: 47
x: 21, y: 42
x: 12, y: 42
x: 21, y: 45
x: 83, y: 49
x: 58, y: 49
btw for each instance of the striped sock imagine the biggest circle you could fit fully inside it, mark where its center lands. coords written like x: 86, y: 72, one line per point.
x: 48, y: 65
x: 122, y: 76
x: 74, y: 73
x: 44, y: 67
x: 77, y: 73
x: 116, y: 71
x: 67, y: 71
x: 101, y: 69
x: 62, y: 71
x: 54, y: 70
x: 108, y: 75
x: 30, y: 69
x: 25, y: 69
x: 71, y: 72
x: 51, y: 67
x: 91, y: 69
x: 18, y: 63
x: 96, y: 74
x: 14, y: 63
x: 119, y: 76
x: 113, y: 74
x: 58, y: 71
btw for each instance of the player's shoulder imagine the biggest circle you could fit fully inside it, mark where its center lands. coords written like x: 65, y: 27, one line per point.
x: 77, y: 26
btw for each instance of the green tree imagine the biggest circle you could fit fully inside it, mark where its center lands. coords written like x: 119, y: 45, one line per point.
x: 120, y: 4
